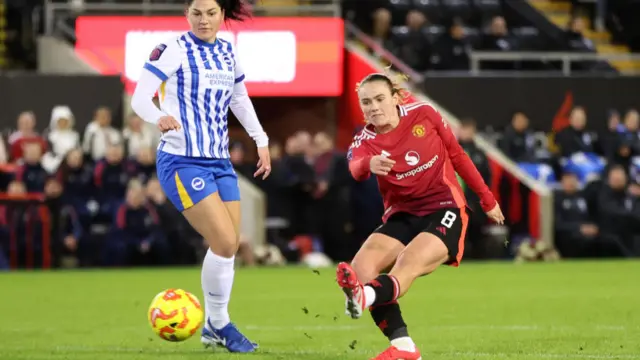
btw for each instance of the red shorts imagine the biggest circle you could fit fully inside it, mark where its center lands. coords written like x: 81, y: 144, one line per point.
x: 449, y: 224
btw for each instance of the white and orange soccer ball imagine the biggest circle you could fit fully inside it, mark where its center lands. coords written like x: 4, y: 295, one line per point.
x: 175, y: 315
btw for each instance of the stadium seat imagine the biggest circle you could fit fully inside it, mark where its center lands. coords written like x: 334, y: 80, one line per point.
x: 431, y: 8
x: 399, y: 10
x: 399, y: 34
x: 457, y: 8
x: 433, y: 32
x: 490, y: 7
x: 485, y: 10
x: 473, y: 36
x: 586, y: 166
x: 541, y: 172
x: 528, y: 37
x: 399, y: 31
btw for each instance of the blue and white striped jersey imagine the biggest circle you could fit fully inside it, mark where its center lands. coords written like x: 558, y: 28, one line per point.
x: 198, y: 80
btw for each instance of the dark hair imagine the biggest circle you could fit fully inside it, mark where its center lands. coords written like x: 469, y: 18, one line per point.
x: 615, y: 167
x: 468, y: 122
x: 233, y: 9
x: 456, y: 21
x: 394, y: 86
x: 516, y: 112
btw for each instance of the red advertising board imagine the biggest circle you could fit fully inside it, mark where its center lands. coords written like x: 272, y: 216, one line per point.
x: 280, y: 56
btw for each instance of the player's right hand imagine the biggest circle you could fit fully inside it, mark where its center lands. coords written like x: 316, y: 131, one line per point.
x: 495, y: 214
x: 264, y: 163
x: 381, y: 165
x: 167, y: 123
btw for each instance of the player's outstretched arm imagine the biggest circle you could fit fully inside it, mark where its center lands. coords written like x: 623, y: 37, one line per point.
x: 461, y: 161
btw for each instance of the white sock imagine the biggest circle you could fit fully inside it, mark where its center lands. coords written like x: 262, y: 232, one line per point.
x: 369, y: 296
x: 217, y: 281
x: 404, y: 343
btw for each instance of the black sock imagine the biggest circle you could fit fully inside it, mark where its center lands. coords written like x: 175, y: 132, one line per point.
x: 388, y: 317
x: 386, y: 288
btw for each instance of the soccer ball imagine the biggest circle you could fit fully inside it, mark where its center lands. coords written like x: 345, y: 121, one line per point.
x: 175, y: 315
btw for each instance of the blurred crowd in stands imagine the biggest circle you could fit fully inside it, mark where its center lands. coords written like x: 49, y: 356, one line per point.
x: 596, y: 177
x: 439, y: 35
x: 105, y: 206
x: 90, y: 183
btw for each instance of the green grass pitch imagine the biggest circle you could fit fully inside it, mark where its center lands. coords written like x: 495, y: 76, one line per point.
x: 484, y: 311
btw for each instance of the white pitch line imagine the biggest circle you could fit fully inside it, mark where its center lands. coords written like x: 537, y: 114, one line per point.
x: 306, y: 327
x: 442, y: 327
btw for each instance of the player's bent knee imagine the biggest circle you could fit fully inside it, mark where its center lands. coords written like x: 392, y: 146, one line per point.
x: 365, y: 271
x: 223, y: 249
x: 223, y: 240
x: 378, y: 254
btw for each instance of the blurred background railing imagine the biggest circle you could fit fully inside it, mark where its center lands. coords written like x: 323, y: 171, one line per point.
x: 567, y: 59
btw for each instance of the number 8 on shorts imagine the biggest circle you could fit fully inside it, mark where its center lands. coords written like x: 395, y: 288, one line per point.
x: 450, y: 225
x: 448, y: 219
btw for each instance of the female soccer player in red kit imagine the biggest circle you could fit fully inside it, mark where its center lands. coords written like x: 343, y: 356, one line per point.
x: 415, y: 156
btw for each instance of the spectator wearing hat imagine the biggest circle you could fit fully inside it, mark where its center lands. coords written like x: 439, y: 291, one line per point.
x: 62, y: 137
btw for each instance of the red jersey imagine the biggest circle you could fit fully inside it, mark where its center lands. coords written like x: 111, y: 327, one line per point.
x: 16, y: 149
x: 427, y: 155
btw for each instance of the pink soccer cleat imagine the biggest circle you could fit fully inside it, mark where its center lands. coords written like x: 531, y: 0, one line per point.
x: 352, y: 288
x: 393, y: 353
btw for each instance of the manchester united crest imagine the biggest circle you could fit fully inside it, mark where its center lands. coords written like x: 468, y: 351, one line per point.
x: 418, y: 131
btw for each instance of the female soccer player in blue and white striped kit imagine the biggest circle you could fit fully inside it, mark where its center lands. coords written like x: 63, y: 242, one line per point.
x: 198, y: 79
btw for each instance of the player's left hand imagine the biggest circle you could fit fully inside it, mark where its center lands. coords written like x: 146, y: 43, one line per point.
x: 495, y: 214
x: 264, y: 164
